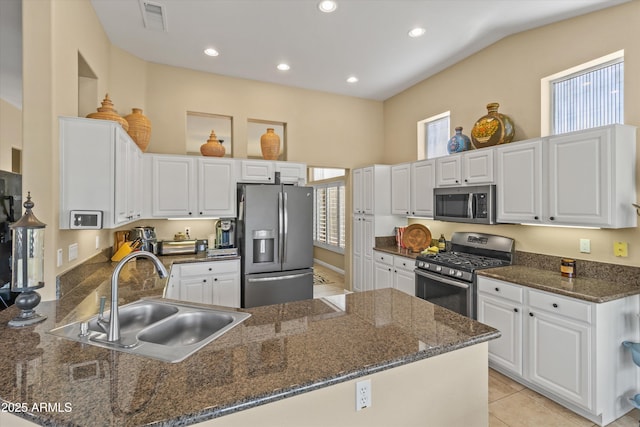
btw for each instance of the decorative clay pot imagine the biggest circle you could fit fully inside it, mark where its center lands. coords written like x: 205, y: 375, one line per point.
x: 139, y: 128
x: 107, y: 112
x: 212, y: 147
x: 492, y: 129
x: 270, y: 145
x: 458, y: 142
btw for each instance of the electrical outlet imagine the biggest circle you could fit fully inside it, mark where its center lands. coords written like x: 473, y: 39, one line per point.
x: 187, y: 231
x: 59, y: 256
x: 363, y: 394
x: 73, y: 251
x: 585, y: 246
x: 620, y: 249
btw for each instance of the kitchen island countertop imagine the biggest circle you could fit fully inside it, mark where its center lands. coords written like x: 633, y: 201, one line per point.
x: 280, y: 351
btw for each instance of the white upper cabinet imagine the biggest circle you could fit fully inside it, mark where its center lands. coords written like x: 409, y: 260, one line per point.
x: 468, y: 168
x: 358, y: 206
x: 592, y: 177
x: 100, y: 170
x: 191, y: 187
x: 401, y: 189
x: 372, y: 190
x: 519, y: 182
x: 216, y: 187
x: 292, y: 173
x: 583, y: 178
x: 412, y: 187
x: 257, y: 171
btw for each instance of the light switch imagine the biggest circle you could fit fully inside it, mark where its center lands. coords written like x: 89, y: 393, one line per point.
x: 585, y: 246
x: 73, y: 251
x: 620, y: 249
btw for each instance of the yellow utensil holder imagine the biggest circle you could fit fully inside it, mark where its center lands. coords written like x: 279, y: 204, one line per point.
x: 123, y: 251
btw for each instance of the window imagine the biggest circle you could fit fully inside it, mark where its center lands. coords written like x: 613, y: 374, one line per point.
x: 586, y: 96
x: 329, y: 210
x: 433, y: 135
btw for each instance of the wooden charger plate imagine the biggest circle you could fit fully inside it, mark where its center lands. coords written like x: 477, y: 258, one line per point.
x: 416, y: 237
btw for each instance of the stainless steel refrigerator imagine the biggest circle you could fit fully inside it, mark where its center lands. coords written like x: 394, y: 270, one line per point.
x: 275, y: 238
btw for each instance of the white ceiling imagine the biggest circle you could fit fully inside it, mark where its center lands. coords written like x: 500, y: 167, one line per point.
x: 364, y: 38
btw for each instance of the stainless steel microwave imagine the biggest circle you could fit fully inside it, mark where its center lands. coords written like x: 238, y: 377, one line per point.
x: 473, y: 204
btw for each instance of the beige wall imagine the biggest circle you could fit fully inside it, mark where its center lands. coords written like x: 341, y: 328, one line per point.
x: 333, y: 258
x: 10, y: 133
x: 509, y: 72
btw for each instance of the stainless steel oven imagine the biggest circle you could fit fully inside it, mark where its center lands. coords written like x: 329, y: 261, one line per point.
x: 448, y: 279
x: 454, y: 294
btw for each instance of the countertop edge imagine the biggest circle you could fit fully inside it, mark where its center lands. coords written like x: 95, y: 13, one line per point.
x: 217, y: 412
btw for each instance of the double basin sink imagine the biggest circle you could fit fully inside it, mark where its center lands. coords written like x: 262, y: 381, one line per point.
x: 159, y: 329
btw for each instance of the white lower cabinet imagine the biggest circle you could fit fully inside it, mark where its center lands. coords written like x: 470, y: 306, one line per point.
x: 394, y: 271
x: 208, y: 282
x: 565, y: 348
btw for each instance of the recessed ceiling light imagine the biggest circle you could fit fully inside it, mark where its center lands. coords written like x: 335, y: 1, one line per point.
x: 352, y: 79
x: 327, y: 6
x: 211, y: 52
x: 417, y: 32
x: 284, y: 67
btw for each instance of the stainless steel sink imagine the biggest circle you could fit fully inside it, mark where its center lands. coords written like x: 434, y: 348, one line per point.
x: 168, y: 331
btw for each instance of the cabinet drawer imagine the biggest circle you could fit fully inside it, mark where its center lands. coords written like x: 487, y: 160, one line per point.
x: 501, y: 289
x: 208, y: 268
x: 383, y: 257
x: 563, y: 306
x: 403, y: 263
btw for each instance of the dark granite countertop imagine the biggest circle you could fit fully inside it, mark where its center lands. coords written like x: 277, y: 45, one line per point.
x: 395, y: 250
x: 591, y: 289
x: 280, y: 351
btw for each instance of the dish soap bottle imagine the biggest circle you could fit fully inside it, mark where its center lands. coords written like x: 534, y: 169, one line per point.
x: 442, y: 243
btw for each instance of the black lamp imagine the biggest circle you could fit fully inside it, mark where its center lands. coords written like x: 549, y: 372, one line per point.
x: 27, y: 265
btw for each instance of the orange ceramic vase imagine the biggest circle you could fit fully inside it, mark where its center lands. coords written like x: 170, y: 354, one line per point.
x: 139, y: 128
x: 213, y: 147
x: 107, y: 112
x: 270, y: 145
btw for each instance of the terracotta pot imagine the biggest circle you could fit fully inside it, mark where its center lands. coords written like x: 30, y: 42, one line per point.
x: 107, y: 112
x: 270, y: 145
x: 139, y: 128
x: 212, y: 147
x: 492, y: 129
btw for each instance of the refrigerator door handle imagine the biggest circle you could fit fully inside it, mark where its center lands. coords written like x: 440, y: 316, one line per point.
x: 274, y: 278
x: 280, y: 227
x: 286, y: 229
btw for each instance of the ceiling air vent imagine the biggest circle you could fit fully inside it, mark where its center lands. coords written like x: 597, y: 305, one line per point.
x: 153, y: 15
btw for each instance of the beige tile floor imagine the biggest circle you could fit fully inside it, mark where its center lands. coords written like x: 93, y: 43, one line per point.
x: 510, y: 404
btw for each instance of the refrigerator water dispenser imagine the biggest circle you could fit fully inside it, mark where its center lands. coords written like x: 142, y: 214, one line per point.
x: 263, y: 245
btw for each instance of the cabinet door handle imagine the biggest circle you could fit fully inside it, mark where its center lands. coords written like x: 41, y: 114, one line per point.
x: 555, y: 305
x: 497, y: 289
x: 215, y: 279
x: 204, y: 280
x: 466, y: 180
x: 535, y: 217
x: 200, y: 213
x: 457, y: 182
x: 389, y: 269
x: 515, y: 309
x: 407, y: 212
x: 551, y: 218
x: 530, y: 314
x: 189, y: 213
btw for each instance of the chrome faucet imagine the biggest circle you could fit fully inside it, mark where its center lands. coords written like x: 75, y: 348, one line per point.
x: 114, y: 322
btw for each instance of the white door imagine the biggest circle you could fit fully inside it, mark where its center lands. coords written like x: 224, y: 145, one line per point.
x: 405, y: 281
x: 449, y: 170
x: 519, y: 182
x: 383, y: 275
x: 173, y: 187
x: 506, y: 317
x: 196, y: 290
x: 357, y: 188
x: 579, y: 178
x: 356, y: 251
x: 423, y: 181
x: 368, y: 196
x: 400, y: 185
x: 216, y: 188
x: 121, y: 196
x: 478, y: 166
x: 226, y: 290
x: 559, y: 358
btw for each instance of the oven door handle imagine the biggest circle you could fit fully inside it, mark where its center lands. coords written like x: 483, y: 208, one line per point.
x: 442, y: 279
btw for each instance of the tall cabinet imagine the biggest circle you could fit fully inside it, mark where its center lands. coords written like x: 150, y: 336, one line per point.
x: 371, y: 190
x: 100, y: 170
